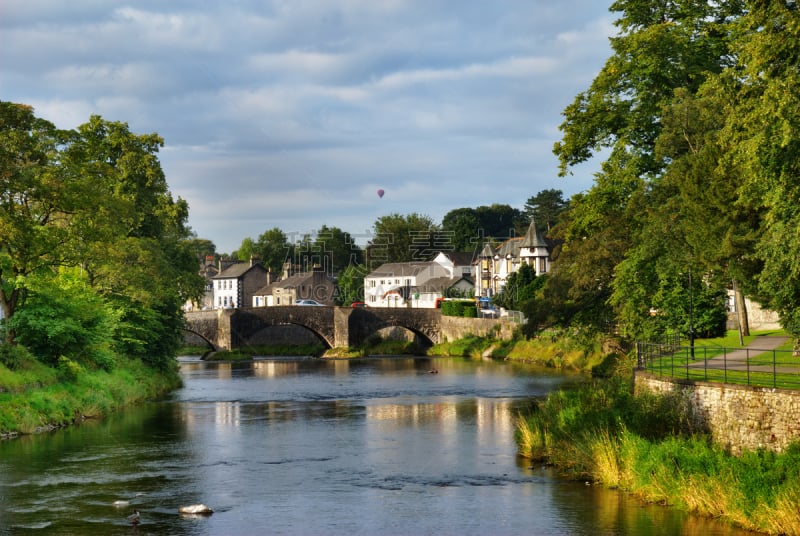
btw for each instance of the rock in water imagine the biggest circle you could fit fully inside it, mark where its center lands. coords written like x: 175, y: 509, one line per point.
x: 196, y: 509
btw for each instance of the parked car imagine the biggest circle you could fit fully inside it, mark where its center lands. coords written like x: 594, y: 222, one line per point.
x: 358, y: 304
x: 308, y: 302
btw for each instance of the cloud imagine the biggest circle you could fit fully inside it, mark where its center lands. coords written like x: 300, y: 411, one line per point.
x: 291, y: 114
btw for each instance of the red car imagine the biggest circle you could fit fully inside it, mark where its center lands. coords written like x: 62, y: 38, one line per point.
x: 358, y: 304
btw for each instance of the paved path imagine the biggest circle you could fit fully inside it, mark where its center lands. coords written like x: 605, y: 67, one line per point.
x: 737, y: 359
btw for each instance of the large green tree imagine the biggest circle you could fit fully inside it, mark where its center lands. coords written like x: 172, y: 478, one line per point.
x: 329, y: 248
x: 403, y: 238
x: 762, y: 128
x: 462, y: 229
x: 95, y: 198
x: 622, y: 238
x: 274, y: 249
x: 36, y: 196
x: 544, y: 208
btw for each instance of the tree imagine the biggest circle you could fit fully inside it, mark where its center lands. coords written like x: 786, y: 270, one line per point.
x: 273, y: 248
x: 501, y: 221
x: 351, y: 284
x: 613, y: 251
x: 64, y: 317
x: 661, y: 46
x: 462, y: 229
x: 401, y: 238
x: 545, y: 208
x: 329, y: 248
x: 520, y: 288
x: 247, y: 250
x: 132, y: 238
x: 94, y: 198
x: 201, y: 247
x: 35, y: 198
x: 761, y: 129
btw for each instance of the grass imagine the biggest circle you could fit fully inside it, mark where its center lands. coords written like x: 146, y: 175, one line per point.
x: 778, y: 368
x: 646, y: 446
x: 34, y: 397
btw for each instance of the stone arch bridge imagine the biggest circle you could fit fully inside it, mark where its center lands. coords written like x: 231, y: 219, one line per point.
x: 226, y: 329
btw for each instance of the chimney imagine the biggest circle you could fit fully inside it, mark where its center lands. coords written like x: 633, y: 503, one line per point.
x: 269, y: 276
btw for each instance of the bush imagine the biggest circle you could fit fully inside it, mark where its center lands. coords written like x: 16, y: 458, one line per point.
x: 69, y: 370
x: 13, y: 355
x: 64, y: 317
x: 459, y: 308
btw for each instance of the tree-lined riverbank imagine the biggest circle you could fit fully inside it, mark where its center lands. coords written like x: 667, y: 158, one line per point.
x: 36, y: 398
x: 644, y: 444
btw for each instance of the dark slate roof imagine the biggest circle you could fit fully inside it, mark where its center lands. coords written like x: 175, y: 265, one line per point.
x: 295, y: 281
x: 487, y: 251
x: 460, y: 258
x: 532, y: 238
x: 401, y: 269
x: 237, y: 270
x: 441, y: 284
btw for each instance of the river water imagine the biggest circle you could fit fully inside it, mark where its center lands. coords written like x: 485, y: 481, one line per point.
x: 306, y: 446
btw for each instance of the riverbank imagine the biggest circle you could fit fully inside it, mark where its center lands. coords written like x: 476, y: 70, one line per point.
x: 35, y: 398
x: 645, y: 445
x: 592, y: 354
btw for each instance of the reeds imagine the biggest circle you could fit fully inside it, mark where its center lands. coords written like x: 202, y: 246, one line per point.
x: 648, y: 447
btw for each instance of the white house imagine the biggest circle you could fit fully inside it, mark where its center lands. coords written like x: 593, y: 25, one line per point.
x: 235, y: 285
x: 494, y: 265
x: 418, y: 284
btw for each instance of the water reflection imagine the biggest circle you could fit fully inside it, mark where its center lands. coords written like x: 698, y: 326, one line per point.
x: 317, y: 447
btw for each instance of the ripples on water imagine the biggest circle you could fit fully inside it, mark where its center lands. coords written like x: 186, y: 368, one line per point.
x: 374, y: 446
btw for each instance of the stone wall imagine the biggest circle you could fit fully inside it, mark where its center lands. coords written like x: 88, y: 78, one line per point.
x: 737, y: 416
x: 456, y: 327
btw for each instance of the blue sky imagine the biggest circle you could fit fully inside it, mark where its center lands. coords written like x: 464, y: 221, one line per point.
x: 293, y: 113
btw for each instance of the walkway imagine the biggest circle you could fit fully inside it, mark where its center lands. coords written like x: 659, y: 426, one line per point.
x: 737, y: 359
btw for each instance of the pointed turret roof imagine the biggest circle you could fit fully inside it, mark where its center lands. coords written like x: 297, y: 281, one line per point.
x: 487, y: 251
x: 533, y: 239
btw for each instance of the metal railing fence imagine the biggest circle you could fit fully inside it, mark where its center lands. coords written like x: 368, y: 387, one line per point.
x: 778, y: 369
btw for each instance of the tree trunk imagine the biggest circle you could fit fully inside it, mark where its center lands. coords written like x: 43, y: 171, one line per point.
x: 741, y: 311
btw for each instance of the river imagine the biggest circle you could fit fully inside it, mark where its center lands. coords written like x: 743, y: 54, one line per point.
x: 379, y: 446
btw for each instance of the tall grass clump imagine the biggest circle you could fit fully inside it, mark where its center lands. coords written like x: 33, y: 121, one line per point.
x: 651, y: 446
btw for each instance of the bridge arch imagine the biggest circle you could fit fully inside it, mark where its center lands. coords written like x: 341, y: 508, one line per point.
x: 335, y: 326
x: 210, y: 344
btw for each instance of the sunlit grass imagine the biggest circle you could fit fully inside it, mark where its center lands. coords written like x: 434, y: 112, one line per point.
x: 778, y: 368
x: 46, y: 403
x: 600, y: 432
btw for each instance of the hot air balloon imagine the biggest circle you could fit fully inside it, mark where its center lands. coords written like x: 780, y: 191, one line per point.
x: 380, y: 193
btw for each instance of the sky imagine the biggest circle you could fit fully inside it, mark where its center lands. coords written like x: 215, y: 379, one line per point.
x: 293, y: 113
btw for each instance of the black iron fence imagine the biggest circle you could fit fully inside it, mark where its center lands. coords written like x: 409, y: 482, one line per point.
x: 744, y: 366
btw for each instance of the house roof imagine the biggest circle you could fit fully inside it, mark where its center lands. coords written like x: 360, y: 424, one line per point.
x: 533, y: 239
x: 487, y: 251
x: 459, y: 258
x: 294, y: 281
x: 237, y: 270
x: 402, y: 269
x: 440, y: 284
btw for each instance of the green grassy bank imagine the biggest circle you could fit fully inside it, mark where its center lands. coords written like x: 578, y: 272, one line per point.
x: 575, y: 354
x: 644, y: 444
x: 35, y: 397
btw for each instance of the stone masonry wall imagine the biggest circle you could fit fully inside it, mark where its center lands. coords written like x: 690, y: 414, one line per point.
x: 738, y: 417
x: 455, y: 327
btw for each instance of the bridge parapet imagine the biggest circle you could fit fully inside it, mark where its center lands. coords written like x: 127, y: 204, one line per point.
x: 335, y: 326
